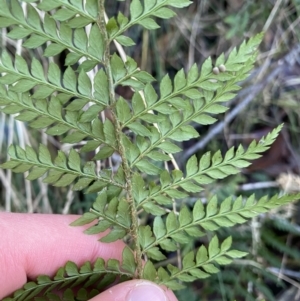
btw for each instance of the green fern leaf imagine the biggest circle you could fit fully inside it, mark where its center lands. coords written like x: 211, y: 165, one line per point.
x: 210, y: 168
x: 57, y: 118
x: 49, y: 32
x: 204, y: 95
x: 28, y: 81
x: 92, y: 279
x: 113, y: 214
x: 141, y: 14
x: 194, y: 266
x: 180, y: 229
x: 63, y: 172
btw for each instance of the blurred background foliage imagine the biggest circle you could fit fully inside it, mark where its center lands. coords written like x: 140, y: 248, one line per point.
x: 271, y: 96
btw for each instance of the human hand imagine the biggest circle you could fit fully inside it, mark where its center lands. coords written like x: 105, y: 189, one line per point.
x: 35, y: 244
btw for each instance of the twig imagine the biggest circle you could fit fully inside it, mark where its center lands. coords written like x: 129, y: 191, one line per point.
x: 272, y: 15
x: 70, y: 198
x: 274, y: 271
x: 23, y: 141
x: 256, y: 238
x: 194, y: 32
x: 8, y: 177
x: 44, y: 186
x: 285, y: 272
x: 9, y: 188
x: 258, y: 185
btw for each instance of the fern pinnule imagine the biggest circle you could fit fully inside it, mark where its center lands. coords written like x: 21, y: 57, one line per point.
x: 207, y: 170
x: 91, y: 277
x: 194, y: 266
x: 181, y: 228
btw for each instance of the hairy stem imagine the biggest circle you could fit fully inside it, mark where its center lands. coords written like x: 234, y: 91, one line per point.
x: 121, y: 148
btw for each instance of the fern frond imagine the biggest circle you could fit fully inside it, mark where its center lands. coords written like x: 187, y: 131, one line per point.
x: 180, y: 229
x: 142, y: 15
x: 286, y: 225
x: 59, y: 120
x: 97, y: 277
x: 269, y: 238
x: 63, y: 172
x: 67, y: 83
x: 111, y: 213
x: 192, y: 98
x: 234, y: 283
x: 201, y: 86
x: 69, y: 10
x: 207, y: 170
x: 194, y: 266
x: 61, y: 38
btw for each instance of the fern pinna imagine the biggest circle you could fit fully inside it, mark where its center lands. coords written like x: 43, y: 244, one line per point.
x: 144, y: 131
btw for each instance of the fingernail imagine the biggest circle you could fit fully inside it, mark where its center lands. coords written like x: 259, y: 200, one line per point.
x: 146, y: 291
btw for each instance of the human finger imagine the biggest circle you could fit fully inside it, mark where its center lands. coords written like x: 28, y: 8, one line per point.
x: 136, y: 290
x: 34, y: 244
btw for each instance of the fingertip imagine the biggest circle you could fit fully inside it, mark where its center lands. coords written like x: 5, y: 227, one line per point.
x: 136, y: 290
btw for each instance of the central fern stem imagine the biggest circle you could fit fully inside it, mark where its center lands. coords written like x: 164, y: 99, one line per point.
x: 121, y: 148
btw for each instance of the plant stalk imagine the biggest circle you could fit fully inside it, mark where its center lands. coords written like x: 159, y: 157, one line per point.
x: 121, y: 148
